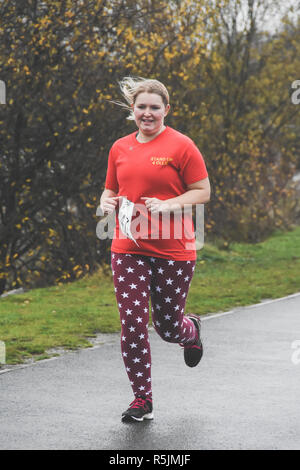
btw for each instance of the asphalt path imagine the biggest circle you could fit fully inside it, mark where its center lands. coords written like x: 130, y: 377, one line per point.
x: 243, y: 395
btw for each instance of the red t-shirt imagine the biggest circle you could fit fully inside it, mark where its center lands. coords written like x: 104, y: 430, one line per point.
x: 161, y: 168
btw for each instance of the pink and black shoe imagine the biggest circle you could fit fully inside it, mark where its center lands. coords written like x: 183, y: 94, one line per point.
x: 193, y: 352
x: 141, y: 408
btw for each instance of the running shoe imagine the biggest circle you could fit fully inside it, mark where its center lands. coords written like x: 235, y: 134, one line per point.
x: 193, y: 352
x: 140, y: 409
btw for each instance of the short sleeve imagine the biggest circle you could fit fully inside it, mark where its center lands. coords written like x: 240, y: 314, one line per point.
x: 111, y: 181
x: 192, y: 166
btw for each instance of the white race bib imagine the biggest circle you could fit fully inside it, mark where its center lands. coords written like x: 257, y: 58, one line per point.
x: 125, y: 216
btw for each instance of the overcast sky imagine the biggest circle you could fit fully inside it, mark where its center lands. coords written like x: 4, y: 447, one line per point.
x: 272, y: 20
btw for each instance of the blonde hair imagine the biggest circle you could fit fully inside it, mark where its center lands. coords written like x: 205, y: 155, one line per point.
x: 131, y: 87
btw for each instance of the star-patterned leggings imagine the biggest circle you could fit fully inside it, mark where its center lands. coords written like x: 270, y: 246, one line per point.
x: 136, y: 279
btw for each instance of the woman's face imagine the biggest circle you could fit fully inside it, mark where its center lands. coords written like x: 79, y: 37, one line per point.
x: 149, y: 112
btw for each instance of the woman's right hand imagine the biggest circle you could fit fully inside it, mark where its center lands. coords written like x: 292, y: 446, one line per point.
x: 108, y: 204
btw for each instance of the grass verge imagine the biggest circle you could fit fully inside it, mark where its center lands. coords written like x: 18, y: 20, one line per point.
x: 66, y: 316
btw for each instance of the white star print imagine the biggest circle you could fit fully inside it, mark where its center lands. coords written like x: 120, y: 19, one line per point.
x: 136, y: 359
x: 128, y: 312
x: 176, y: 324
x: 152, y: 259
x: 160, y: 271
x: 119, y: 261
x: 148, y: 366
x: 145, y: 310
x: 168, y: 300
x: 139, y: 374
x: 167, y: 334
x: 171, y: 263
x: 128, y: 369
x: 179, y: 272
x: 167, y: 317
x: 144, y: 294
x: 186, y: 278
x: 131, y: 329
x: 124, y: 295
x: 139, y: 319
x: 158, y: 306
x: 169, y: 281
x: 130, y: 270
x: 142, y: 336
x: 140, y: 262
x: 142, y: 388
x: 149, y: 271
x: 145, y: 351
x: 125, y: 354
x: 136, y: 302
x: 132, y: 286
x: 177, y: 290
x: 133, y: 345
x: 158, y: 289
x: 121, y: 278
x: 142, y: 278
x: 123, y: 338
x: 176, y: 308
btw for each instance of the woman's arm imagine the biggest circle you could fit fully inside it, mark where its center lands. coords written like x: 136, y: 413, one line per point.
x: 107, y: 193
x: 108, y: 201
x: 197, y: 193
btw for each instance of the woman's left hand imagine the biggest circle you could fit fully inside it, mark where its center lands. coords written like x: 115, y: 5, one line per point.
x: 155, y: 205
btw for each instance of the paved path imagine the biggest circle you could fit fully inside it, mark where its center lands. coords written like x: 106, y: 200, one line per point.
x: 243, y: 395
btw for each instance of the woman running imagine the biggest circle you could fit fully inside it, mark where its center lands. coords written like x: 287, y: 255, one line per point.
x: 155, y: 172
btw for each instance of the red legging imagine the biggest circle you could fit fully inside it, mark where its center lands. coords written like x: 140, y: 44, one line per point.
x: 136, y: 278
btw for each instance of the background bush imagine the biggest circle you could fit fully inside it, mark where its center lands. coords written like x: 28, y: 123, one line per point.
x: 230, y: 87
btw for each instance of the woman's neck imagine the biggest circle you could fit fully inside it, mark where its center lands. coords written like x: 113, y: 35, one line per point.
x: 144, y: 138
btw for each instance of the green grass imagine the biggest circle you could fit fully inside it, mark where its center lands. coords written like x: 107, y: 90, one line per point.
x: 66, y: 316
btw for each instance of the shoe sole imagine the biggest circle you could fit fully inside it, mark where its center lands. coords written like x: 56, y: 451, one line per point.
x: 132, y: 419
x: 193, y: 355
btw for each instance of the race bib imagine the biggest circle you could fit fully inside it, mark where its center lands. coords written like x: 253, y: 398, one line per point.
x: 125, y: 216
